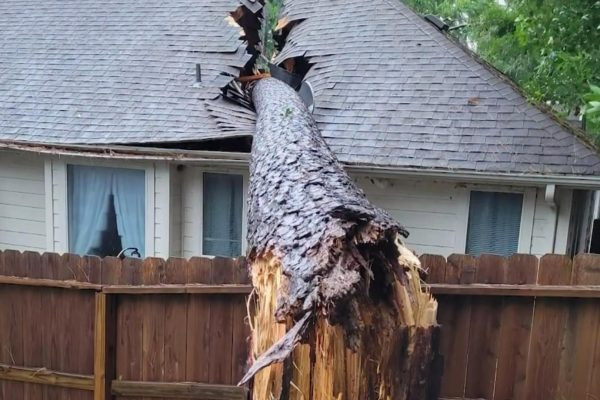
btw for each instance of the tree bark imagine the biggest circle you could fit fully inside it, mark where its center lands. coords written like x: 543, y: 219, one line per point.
x: 336, y: 291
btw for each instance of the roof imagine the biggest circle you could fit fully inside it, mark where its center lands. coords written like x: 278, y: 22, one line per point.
x: 115, y: 71
x: 390, y: 89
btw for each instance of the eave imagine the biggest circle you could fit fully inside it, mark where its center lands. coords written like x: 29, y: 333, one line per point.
x: 235, y: 159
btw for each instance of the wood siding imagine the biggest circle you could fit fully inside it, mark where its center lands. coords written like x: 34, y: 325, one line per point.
x: 22, y: 202
x: 176, y: 211
x: 546, y: 224
x: 161, y: 207
x: 434, y: 214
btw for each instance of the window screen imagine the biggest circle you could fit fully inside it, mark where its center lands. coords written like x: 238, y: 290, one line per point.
x: 106, y: 210
x: 222, y: 215
x: 494, y: 223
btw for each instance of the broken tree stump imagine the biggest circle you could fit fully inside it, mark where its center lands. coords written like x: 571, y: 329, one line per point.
x: 339, y: 310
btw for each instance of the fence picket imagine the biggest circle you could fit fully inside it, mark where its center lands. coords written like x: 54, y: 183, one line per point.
x: 454, y: 315
x: 176, y: 323
x: 221, y: 332
x: 129, y: 353
x: 435, y: 266
x: 485, y: 330
x: 198, y: 323
x: 152, y: 309
x: 586, y: 271
x: 515, y: 329
x: 35, y: 321
x: 15, y: 307
x: 241, y: 328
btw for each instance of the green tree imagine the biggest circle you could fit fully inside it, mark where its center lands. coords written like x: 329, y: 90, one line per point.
x: 592, y: 108
x: 551, y: 48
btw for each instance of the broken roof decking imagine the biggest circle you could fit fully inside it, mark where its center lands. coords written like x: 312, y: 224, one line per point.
x: 115, y: 71
x: 390, y: 90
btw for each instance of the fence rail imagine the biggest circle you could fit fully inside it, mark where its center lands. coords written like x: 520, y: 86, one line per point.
x: 518, y: 328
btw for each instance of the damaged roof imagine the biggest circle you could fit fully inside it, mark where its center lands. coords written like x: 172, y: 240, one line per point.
x: 389, y: 88
x: 114, y: 71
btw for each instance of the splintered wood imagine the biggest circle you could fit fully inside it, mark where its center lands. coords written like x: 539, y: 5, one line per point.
x: 338, y: 310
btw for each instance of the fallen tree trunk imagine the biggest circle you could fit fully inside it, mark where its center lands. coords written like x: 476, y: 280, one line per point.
x: 339, y: 311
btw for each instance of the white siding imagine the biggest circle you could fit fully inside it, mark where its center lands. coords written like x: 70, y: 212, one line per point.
x: 60, y: 216
x: 33, y: 208
x: 436, y: 214
x: 22, y: 202
x: 192, y: 212
x: 546, y: 227
x: 162, y: 200
x: 433, y: 213
x: 176, y: 212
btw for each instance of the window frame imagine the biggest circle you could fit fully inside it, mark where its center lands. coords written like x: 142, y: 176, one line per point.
x: 193, y: 206
x: 527, y: 214
x: 57, y: 206
x: 243, y: 215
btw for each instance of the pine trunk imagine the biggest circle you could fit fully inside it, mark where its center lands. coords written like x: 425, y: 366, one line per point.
x: 338, y: 310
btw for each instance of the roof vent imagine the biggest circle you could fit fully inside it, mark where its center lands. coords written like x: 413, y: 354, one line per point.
x: 198, y: 73
x: 294, y: 80
x: 306, y: 94
x: 437, y: 22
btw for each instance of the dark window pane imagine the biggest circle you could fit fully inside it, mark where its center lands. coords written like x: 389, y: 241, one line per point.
x: 494, y: 223
x: 222, y: 215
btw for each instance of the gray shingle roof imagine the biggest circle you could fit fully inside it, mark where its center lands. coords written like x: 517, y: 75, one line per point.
x: 390, y: 90
x: 393, y: 90
x: 115, y: 71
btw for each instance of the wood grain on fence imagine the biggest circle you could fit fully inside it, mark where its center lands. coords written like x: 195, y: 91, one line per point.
x: 512, y: 328
x: 67, y: 319
x: 518, y: 328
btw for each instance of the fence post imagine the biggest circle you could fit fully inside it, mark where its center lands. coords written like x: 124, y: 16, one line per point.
x: 104, y: 346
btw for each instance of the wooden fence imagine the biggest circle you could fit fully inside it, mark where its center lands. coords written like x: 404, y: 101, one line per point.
x: 519, y: 328
x: 86, y: 328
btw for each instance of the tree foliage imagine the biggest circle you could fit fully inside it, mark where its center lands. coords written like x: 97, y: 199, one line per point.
x: 551, y: 48
x: 271, y: 11
x: 592, y: 108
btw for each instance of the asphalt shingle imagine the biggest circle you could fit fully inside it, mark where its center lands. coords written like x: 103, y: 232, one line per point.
x: 116, y: 71
x: 438, y: 105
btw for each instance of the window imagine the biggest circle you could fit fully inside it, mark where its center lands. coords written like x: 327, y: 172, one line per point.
x: 222, y: 214
x: 494, y: 223
x: 106, y: 210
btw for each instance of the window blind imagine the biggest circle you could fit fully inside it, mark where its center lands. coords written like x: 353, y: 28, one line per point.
x: 494, y: 223
x: 222, y: 215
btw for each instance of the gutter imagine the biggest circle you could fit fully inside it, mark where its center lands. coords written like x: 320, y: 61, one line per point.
x: 242, y: 160
x: 132, y: 153
x: 571, y: 181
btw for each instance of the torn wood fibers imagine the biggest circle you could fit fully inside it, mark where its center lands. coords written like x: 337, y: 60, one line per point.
x: 338, y: 309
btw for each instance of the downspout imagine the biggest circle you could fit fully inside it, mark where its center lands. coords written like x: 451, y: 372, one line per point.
x: 550, y: 199
x: 595, y: 216
x: 596, y: 212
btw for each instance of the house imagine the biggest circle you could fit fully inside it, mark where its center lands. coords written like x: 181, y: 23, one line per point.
x: 115, y: 133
